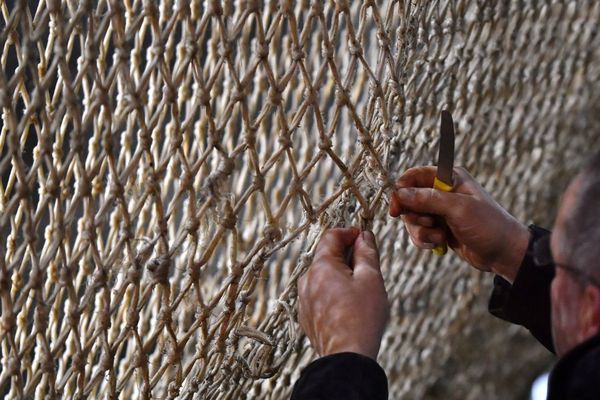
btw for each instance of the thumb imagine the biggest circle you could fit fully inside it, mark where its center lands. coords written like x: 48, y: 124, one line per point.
x: 429, y: 201
x: 365, y: 255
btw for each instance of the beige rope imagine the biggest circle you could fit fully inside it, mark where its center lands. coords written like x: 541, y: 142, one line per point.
x: 167, y: 167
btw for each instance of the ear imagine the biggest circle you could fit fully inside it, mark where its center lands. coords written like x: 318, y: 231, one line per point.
x: 589, y: 312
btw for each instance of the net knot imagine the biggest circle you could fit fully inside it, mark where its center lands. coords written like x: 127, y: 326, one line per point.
x: 106, y: 359
x: 165, y: 318
x: 226, y: 166
x: 297, y: 53
x: 103, y: 319
x: 284, y: 139
x: 224, y: 49
x: 286, y: 7
x: 214, y: 8
x: 342, y: 6
x: 23, y: 191
x: 90, y: 53
x: 73, y: 316
x: 375, y: 88
x: 78, y: 360
x: 159, y: 268
x: 203, y: 97
x: 100, y: 96
x: 295, y: 187
x: 116, y: 190
x: 169, y: 94
x: 151, y: 9
x: 354, y: 48
x: 192, y: 225
x: 13, y: 366
x: 240, y: 93
x: 35, y: 278
x: 134, y: 274
x: 41, y: 318
x: 133, y: 317
x: 258, y: 182
x: 364, y: 138
x: 140, y: 360
x: 261, y: 50
x: 275, y: 97
x: 325, y: 143
x: 8, y: 322
x: 382, y: 39
x: 47, y: 363
x: 272, y: 233
x: 252, y: 6
x: 64, y: 276
x: 316, y: 7
x: 327, y: 51
x: 122, y: 54
x: 131, y: 102
x: 54, y: 6
x: 310, y: 94
x: 193, y: 271
x: 228, y: 221
x: 52, y: 185
x: 341, y: 97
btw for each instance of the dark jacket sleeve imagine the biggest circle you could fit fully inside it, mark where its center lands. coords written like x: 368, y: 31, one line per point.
x: 348, y: 376
x: 527, y: 301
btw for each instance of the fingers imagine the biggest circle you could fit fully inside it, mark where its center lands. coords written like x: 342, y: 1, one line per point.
x: 395, y: 208
x: 417, y: 177
x: 366, y: 255
x: 426, y: 238
x: 429, y: 201
x: 423, y: 177
x: 334, y: 243
x: 419, y: 219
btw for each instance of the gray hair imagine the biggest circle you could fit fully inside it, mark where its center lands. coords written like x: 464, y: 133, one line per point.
x: 582, y: 226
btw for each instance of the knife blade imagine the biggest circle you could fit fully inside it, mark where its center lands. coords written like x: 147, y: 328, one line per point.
x: 443, y: 179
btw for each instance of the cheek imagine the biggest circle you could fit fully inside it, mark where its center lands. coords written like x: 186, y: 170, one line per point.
x: 558, y: 292
x: 564, y: 320
x: 555, y: 303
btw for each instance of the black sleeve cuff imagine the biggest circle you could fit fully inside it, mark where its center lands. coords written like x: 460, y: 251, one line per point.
x: 349, y: 376
x: 527, y: 301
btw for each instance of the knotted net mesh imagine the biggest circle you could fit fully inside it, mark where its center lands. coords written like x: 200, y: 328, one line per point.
x: 168, y: 166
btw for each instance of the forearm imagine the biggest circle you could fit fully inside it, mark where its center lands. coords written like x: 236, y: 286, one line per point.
x: 517, y: 240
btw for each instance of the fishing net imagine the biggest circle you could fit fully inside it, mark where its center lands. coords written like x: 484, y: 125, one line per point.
x: 168, y: 166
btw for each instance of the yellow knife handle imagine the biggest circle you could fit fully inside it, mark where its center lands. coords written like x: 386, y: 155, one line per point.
x: 441, y: 249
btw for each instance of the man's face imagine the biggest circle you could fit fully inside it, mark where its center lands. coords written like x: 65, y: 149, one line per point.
x: 565, y: 291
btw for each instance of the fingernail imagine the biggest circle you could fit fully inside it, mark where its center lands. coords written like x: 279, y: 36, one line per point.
x: 428, y: 246
x: 369, y: 238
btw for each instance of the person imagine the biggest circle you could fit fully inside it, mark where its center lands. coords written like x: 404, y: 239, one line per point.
x: 548, y: 283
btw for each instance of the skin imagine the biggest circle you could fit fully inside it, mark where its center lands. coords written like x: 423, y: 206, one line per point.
x: 479, y: 230
x: 575, y: 305
x: 343, y: 306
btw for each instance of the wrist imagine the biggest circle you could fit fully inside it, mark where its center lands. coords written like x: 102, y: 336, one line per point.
x: 517, y: 242
x: 367, y: 351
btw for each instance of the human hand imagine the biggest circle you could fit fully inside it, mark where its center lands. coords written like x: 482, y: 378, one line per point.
x: 479, y: 230
x: 343, y: 305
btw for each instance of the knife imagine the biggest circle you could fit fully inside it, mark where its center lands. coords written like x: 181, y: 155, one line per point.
x: 443, y: 179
